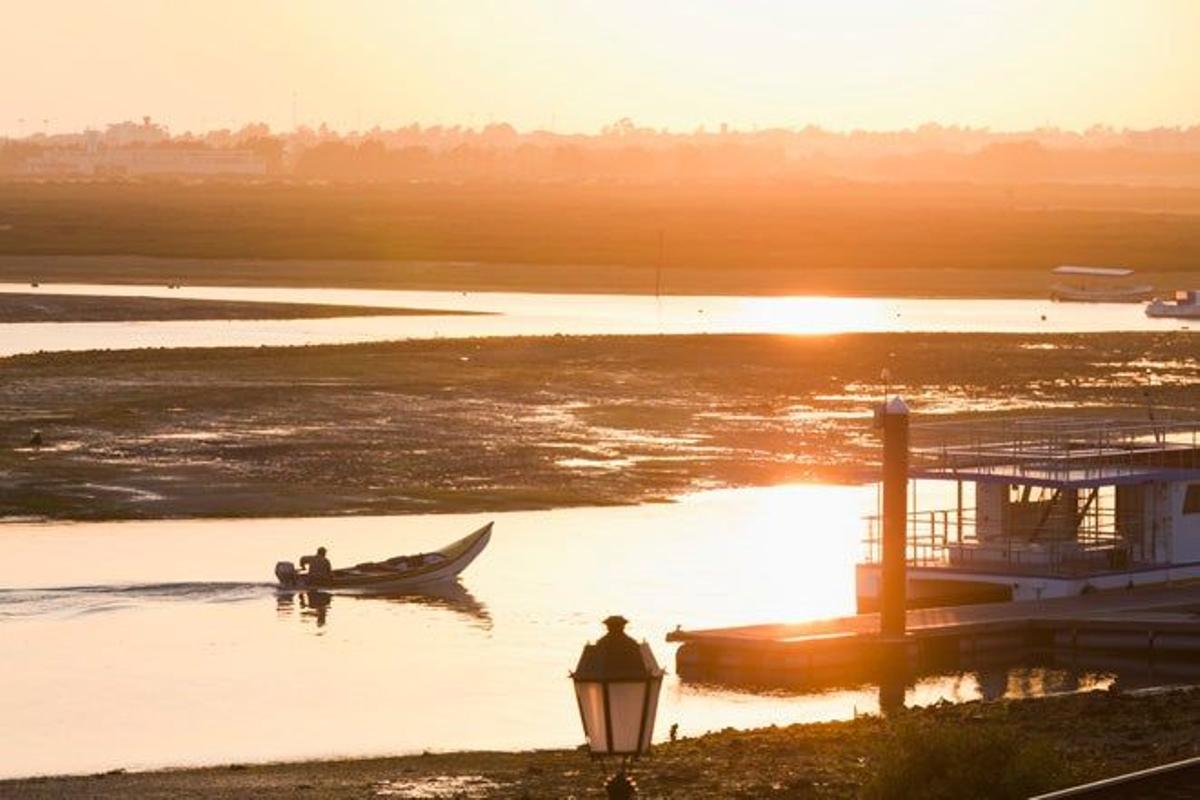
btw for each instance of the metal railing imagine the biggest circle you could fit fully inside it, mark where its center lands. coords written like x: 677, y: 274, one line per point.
x: 943, y: 537
x: 1175, y: 780
x: 1056, y: 447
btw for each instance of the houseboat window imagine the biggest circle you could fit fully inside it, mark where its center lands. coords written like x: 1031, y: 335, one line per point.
x: 1191, y: 500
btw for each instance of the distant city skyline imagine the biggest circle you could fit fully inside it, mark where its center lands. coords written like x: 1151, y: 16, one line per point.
x: 575, y: 67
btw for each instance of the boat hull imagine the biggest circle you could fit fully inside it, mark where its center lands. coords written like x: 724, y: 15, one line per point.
x: 946, y: 586
x: 1073, y: 294
x: 378, y: 578
x: 1173, y: 311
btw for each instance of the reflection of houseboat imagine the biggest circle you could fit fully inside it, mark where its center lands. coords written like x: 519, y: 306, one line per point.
x: 1046, y: 508
x: 1186, y: 305
x: 1097, y: 285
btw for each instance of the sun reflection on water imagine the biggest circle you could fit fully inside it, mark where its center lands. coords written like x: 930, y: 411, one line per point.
x: 161, y: 605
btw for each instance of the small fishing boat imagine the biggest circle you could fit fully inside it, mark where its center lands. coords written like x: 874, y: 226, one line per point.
x: 396, y: 574
x: 1186, y: 305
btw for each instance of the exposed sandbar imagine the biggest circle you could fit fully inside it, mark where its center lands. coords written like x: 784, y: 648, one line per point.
x: 36, y: 307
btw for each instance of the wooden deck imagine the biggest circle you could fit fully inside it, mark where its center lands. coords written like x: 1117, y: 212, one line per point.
x: 1152, y: 622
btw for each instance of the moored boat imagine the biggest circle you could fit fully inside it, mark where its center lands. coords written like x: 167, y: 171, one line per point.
x: 395, y: 574
x: 1094, y: 286
x: 1046, y: 507
x: 1186, y: 305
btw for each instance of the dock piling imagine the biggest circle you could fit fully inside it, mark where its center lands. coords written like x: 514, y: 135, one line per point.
x: 893, y: 419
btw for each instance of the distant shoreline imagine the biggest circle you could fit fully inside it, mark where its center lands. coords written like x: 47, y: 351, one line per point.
x: 451, y: 276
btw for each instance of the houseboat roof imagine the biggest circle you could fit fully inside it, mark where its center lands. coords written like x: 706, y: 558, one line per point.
x: 1095, y: 272
x: 1058, y: 452
x: 1058, y: 478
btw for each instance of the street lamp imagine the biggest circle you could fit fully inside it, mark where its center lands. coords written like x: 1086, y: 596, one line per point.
x: 617, y: 683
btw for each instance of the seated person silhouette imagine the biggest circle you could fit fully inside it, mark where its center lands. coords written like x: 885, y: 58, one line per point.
x: 319, y: 569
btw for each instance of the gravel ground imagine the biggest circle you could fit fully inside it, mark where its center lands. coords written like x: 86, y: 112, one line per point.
x: 1077, y: 738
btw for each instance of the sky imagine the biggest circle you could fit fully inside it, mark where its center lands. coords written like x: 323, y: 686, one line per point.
x: 575, y: 66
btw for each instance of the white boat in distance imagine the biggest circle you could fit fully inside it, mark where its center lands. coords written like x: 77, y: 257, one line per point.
x: 396, y: 574
x: 1087, y: 292
x: 1186, y: 305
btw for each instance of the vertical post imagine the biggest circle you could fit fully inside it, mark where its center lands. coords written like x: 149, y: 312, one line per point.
x: 960, y: 512
x: 894, y: 421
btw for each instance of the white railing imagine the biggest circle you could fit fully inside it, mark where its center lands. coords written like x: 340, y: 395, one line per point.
x: 946, y: 538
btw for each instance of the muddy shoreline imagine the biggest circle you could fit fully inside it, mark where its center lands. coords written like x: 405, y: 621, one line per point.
x: 1075, y: 738
x: 34, y: 307
x: 521, y: 423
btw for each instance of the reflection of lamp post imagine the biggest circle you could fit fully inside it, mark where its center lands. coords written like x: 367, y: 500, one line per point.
x: 617, y: 684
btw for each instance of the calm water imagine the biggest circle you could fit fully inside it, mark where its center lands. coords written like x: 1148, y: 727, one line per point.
x: 163, y: 645
x: 545, y: 314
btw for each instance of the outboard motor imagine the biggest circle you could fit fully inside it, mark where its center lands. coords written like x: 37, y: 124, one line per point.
x: 285, y: 572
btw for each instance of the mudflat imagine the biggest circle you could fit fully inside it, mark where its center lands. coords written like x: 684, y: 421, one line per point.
x: 522, y: 423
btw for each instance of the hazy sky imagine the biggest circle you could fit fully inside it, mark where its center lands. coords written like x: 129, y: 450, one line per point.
x: 197, y: 64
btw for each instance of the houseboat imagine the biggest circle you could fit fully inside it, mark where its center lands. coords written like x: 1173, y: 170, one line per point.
x: 1044, y: 507
x: 1098, y: 285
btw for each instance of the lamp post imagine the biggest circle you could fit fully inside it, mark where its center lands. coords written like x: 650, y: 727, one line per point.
x: 617, y: 683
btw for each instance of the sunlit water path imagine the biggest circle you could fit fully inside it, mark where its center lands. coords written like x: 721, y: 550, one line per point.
x: 143, y: 644
x: 530, y: 314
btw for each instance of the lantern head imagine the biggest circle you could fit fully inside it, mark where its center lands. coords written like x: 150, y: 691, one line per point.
x: 617, y: 683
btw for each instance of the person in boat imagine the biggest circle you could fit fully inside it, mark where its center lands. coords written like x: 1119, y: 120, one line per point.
x: 318, y: 566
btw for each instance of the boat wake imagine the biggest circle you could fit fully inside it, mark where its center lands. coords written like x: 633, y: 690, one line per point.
x: 70, y: 601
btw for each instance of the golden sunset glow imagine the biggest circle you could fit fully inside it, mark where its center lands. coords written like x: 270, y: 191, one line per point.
x: 577, y: 398
x: 876, y: 64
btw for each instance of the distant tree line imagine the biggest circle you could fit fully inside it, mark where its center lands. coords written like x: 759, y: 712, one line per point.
x: 626, y: 152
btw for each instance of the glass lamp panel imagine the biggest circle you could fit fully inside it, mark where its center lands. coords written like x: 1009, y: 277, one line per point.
x: 651, y: 711
x: 626, y: 699
x: 591, y: 709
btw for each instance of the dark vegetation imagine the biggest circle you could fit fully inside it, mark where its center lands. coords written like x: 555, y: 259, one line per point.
x: 939, y: 762
x: 777, y: 233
